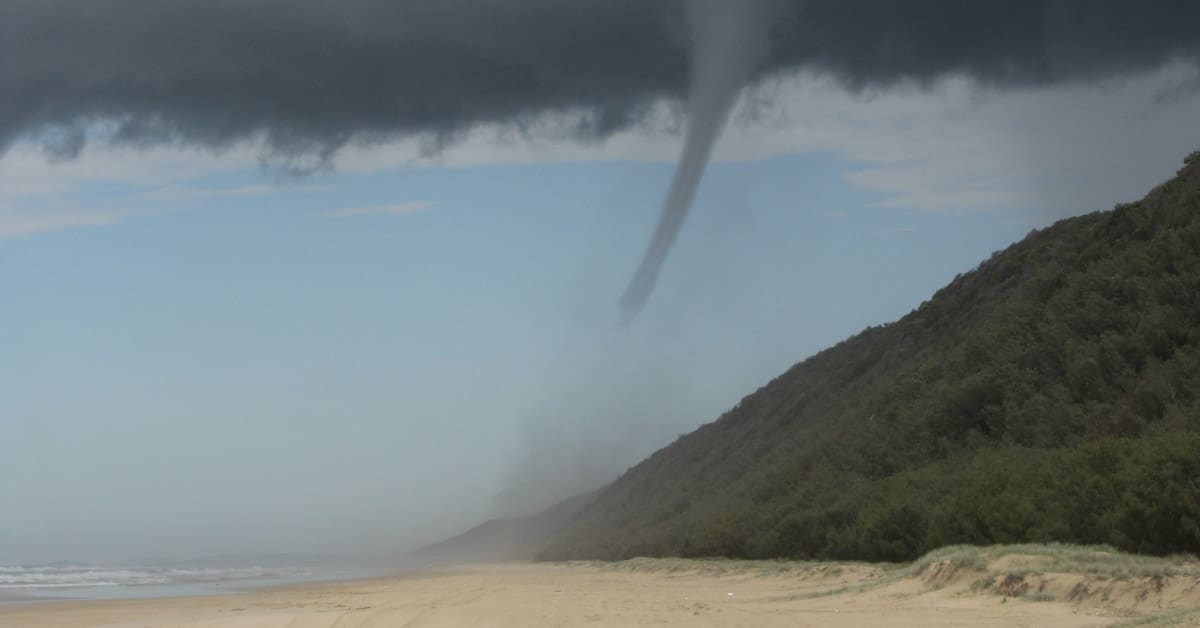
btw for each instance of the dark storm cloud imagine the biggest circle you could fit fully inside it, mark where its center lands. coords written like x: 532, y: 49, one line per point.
x: 313, y: 75
x: 1006, y: 42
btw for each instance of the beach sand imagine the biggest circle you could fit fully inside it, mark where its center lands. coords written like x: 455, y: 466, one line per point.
x: 645, y: 592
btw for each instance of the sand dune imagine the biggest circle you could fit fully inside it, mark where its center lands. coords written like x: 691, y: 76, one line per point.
x: 1007, y: 591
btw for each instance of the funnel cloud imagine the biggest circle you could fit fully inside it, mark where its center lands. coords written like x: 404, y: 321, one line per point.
x: 727, y: 38
x: 305, y: 78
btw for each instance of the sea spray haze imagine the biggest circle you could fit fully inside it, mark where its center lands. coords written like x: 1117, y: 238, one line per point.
x: 1049, y: 395
x: 241, y: 363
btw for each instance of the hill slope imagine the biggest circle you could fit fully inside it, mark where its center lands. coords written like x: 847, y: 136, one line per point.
x: 501, y: 539
x: 1053, y: 394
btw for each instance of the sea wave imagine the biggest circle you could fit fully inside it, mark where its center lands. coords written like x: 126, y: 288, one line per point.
x: 48, y: 577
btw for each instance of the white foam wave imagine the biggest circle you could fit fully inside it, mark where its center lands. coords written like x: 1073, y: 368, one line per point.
x: 46, y: 577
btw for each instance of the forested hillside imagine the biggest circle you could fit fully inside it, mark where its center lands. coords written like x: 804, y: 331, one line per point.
x: 1052, y: 394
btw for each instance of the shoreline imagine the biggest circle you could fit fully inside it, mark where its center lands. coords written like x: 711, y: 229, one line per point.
x: 181, y: 589
x: 695, y: 593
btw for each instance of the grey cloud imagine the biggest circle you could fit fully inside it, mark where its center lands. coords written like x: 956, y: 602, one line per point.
x: 1003, y: 43
x: 311, y: 76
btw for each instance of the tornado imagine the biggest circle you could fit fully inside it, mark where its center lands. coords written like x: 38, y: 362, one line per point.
x: 727, y: 38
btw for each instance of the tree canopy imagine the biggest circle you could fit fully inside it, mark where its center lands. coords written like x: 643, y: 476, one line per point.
x: 1051, y: 394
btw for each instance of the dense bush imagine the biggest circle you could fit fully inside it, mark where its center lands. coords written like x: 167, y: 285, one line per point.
x: 1053, y: 394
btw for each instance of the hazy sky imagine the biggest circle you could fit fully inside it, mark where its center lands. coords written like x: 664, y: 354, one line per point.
x: 201, y: 353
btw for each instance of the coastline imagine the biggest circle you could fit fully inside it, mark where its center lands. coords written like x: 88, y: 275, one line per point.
x: 81, y: 583
x: 694, y: 593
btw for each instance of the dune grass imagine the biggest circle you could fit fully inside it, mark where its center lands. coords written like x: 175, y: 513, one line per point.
x: 988, y: 569
x: 1060, y: 557
x: 721, y: 566
x: 1175, y: 617
x: 1030, y: 558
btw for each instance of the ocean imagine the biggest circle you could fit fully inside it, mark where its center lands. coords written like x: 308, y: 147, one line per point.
x: 24, y: 583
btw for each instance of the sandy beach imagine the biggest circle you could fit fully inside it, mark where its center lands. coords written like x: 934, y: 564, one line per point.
x: 644, y: 592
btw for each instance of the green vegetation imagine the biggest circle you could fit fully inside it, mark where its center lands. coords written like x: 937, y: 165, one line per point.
x: 726, y: 566
x: 1176, y: 617
x: 941, y: 565
x: 1052, y: 394
x: 1059, y: 558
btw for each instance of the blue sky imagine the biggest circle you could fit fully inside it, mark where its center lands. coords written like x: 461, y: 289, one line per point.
x: 202, y: 355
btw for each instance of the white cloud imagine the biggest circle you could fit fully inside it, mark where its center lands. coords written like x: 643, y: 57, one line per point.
x: 23, y: 223
x: 178, y: 192
x: 26, y: 172
x: 1058, y: 150
x: 397, y: 208
x: 956, y: 147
